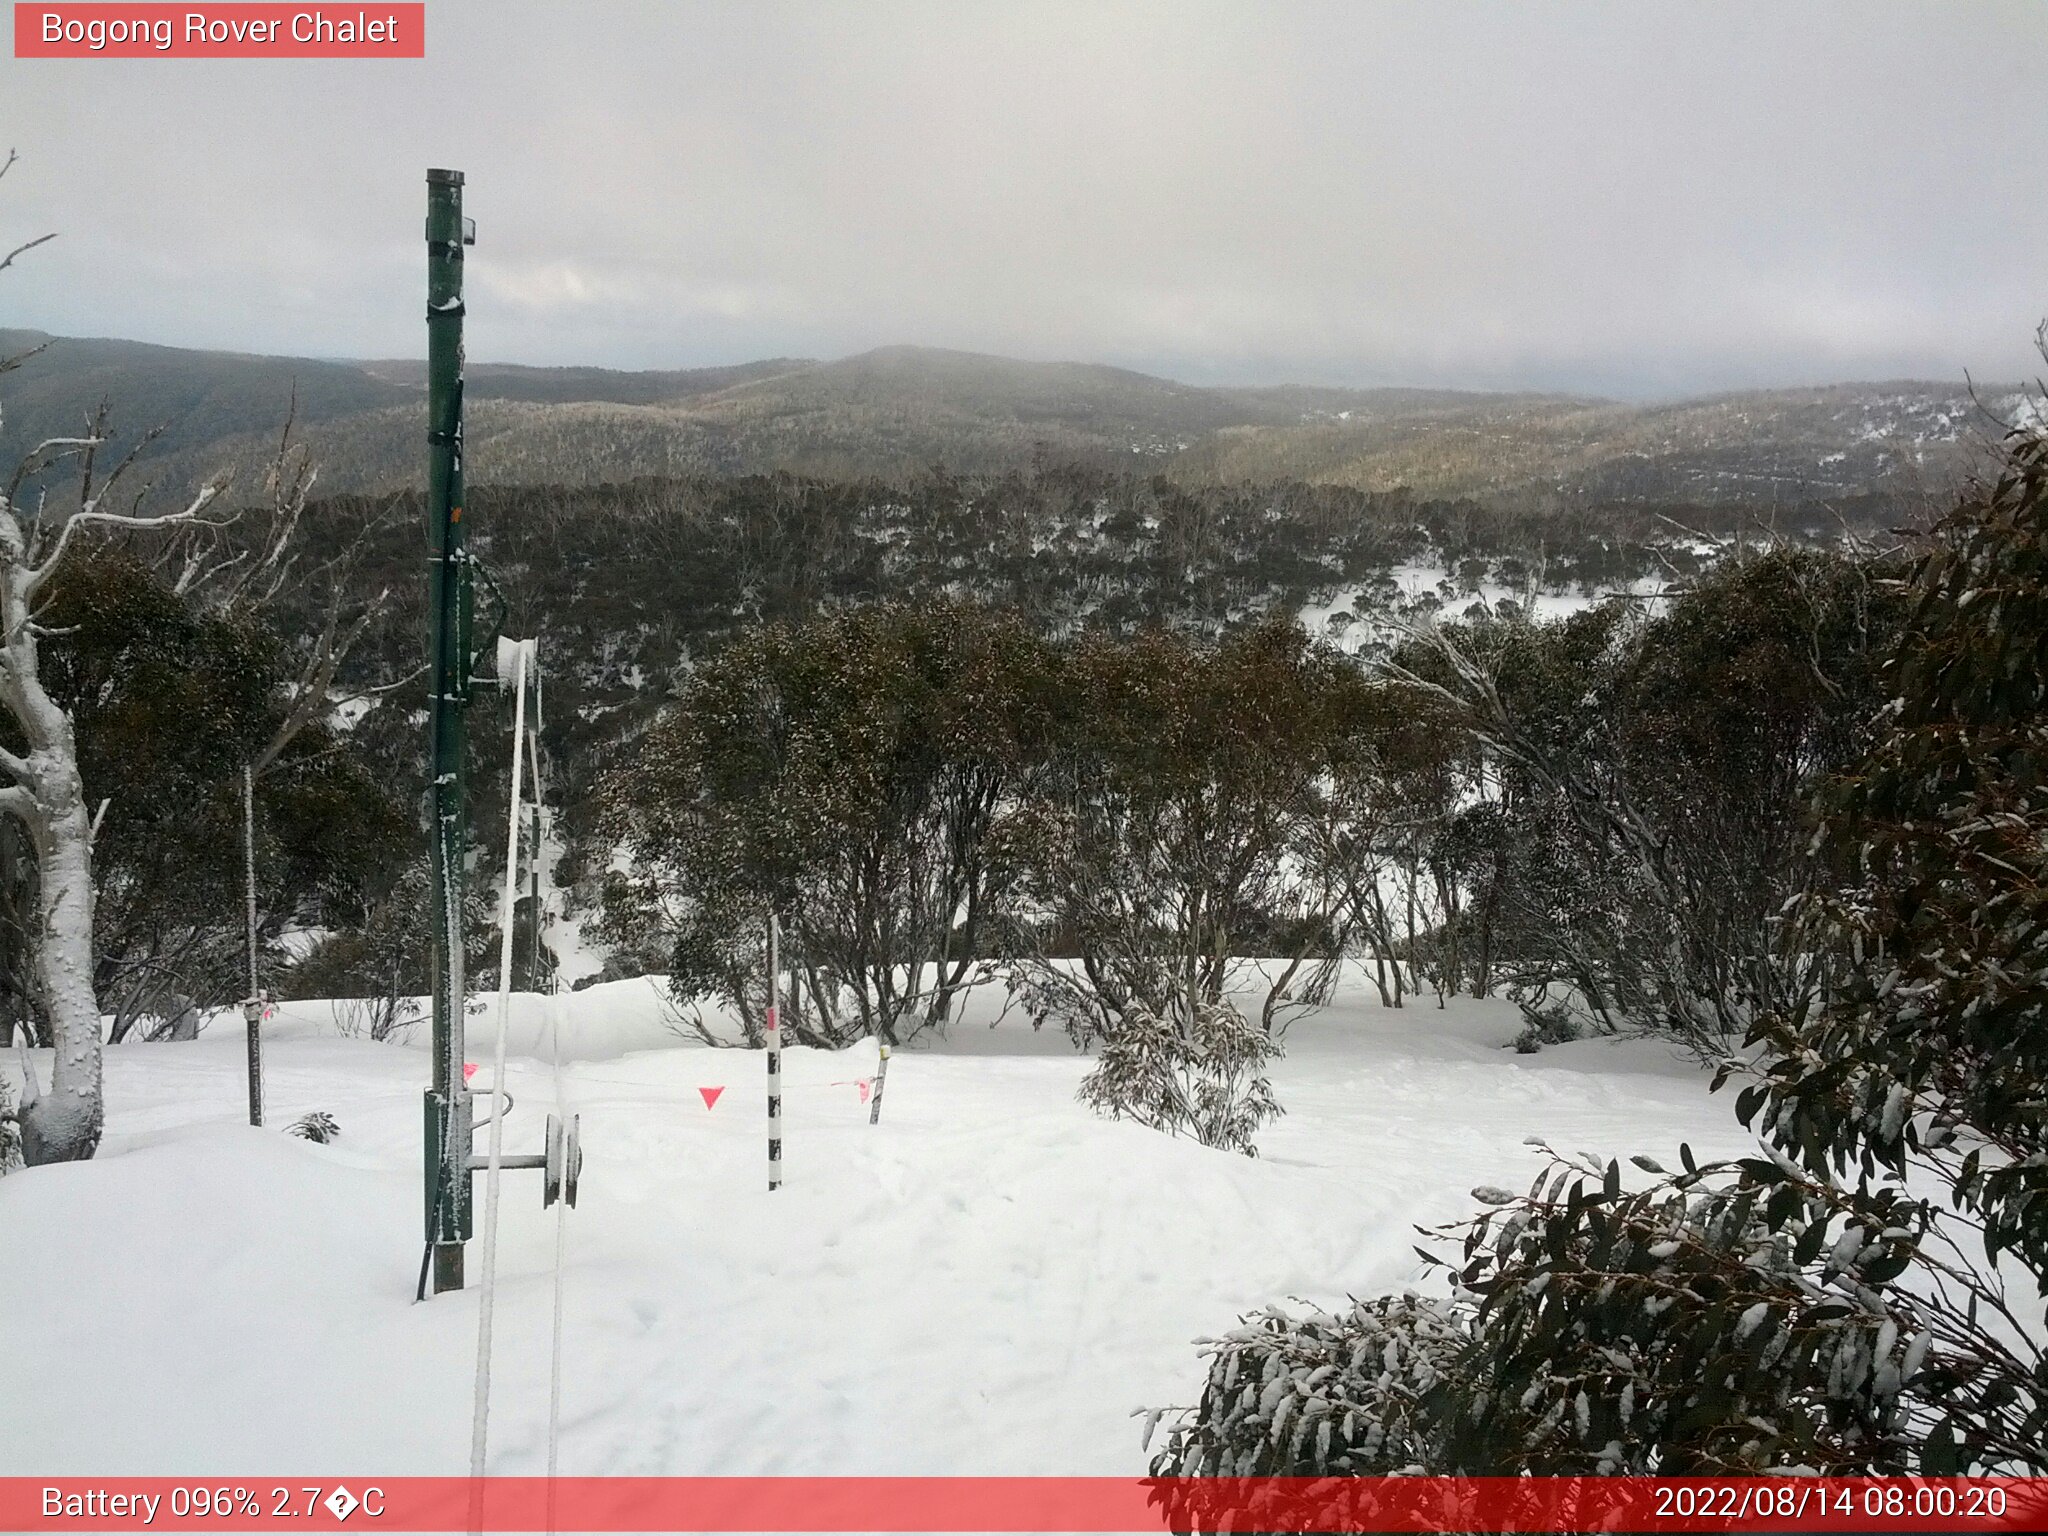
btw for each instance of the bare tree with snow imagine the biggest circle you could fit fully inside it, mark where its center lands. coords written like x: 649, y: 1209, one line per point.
x: 39, y: 777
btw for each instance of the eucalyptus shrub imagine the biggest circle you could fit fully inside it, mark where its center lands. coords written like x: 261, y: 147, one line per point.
x: 1208, y: 1082
x: 1854, y: 1299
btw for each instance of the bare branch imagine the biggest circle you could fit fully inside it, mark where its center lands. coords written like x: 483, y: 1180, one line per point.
x: 29, y: 245
x: 49, y: 451
x: 187, y: 518
x: 9, y: 364
x: 89, y: 502
x: 411, y: 677
x: 311, y: 697
x: 8, y: 260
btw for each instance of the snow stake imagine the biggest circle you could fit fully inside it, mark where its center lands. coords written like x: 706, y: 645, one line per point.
x: 881, y: 1076
x: 774, y: 1055
x: 252, y: 1009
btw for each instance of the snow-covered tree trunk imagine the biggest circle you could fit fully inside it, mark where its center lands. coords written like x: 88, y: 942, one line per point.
x: 64, y: 1122
x: 41, y: 785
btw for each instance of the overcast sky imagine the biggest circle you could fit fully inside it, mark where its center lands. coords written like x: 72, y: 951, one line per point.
x: 1635, y: 198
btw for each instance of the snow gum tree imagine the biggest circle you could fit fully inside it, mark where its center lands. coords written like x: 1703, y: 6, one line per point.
x: 47, y: 794
x: 853, y: 773
x: 40, y: 783
x: 1168, y: 837
x: 1656, y: 775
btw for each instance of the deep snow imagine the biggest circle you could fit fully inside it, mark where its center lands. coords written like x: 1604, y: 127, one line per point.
x: 989, y: 1282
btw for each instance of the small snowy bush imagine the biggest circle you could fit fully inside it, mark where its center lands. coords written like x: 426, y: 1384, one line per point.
x: 1729, y: 1319
x: 317, y: 1125
x: 1323, y: 1393
x: 10, y: 1135
x: 1207, y: 1082
x: 1547, y: 1024
x: 1732, y: 1319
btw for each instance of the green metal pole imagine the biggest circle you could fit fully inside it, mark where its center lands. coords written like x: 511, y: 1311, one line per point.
x: 449, y: 603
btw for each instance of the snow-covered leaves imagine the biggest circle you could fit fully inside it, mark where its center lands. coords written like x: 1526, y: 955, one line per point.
x: 315, y: 1125
x: 1926, y: 1061
x: 10, y: 1134
x: 1320, y: 1393
x: 1591, y: 1330
x: 1208, y: 1082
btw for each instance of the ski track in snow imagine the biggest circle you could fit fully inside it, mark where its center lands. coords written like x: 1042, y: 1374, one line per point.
x: 992, y: 1281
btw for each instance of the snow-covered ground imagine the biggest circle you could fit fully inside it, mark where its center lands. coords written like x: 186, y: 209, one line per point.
x: 991, y: 1281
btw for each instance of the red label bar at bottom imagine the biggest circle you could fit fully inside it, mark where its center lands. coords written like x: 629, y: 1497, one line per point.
x: 1009, y: 1504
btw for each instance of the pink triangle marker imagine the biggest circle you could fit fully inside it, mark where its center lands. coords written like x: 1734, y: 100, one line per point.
x: 711, y: 1095
x: 468, y: 1070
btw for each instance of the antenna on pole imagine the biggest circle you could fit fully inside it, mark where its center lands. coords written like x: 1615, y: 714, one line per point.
x: 450, y: 604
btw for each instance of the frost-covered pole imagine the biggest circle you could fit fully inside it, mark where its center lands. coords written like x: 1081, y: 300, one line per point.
x: 448, y: 1110
x: 480, y: 1408
x: 533, y: 728
x: 252, y: 1010
x: 774, y: 1053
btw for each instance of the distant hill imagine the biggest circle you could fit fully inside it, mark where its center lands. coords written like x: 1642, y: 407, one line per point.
x: 198, y: 398
x: 898, y: 411
x: 565, y: 386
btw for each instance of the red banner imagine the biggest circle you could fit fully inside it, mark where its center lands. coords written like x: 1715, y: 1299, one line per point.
x: 117, y: 31
x: 1004, y: 1504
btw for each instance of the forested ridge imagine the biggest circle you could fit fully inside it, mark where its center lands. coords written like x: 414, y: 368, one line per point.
x: 893, y: 413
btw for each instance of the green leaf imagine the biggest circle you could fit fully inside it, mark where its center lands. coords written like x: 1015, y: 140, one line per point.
x: 1807, y: 1249
x: 1938, y: 1456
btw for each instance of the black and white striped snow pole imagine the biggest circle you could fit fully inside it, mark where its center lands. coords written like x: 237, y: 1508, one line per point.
x: 881, y: 1076
x: 774, y: 1053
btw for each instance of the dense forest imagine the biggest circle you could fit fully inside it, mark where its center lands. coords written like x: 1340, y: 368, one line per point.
x: 636, y: 588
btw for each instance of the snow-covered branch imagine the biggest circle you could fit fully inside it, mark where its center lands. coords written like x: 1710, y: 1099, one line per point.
x: 190, y: 516
x: 42, y: 456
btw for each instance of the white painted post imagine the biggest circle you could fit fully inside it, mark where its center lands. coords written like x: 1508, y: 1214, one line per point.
x: 252, y: 1009
x: 774, y: 1053
x: 881, y: 1077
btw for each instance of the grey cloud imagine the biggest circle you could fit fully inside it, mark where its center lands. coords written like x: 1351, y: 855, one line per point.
x: 1627, y: 197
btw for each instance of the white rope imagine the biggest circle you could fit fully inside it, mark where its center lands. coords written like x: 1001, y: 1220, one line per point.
x: 554, y: 1018
x: 481, y: 1408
